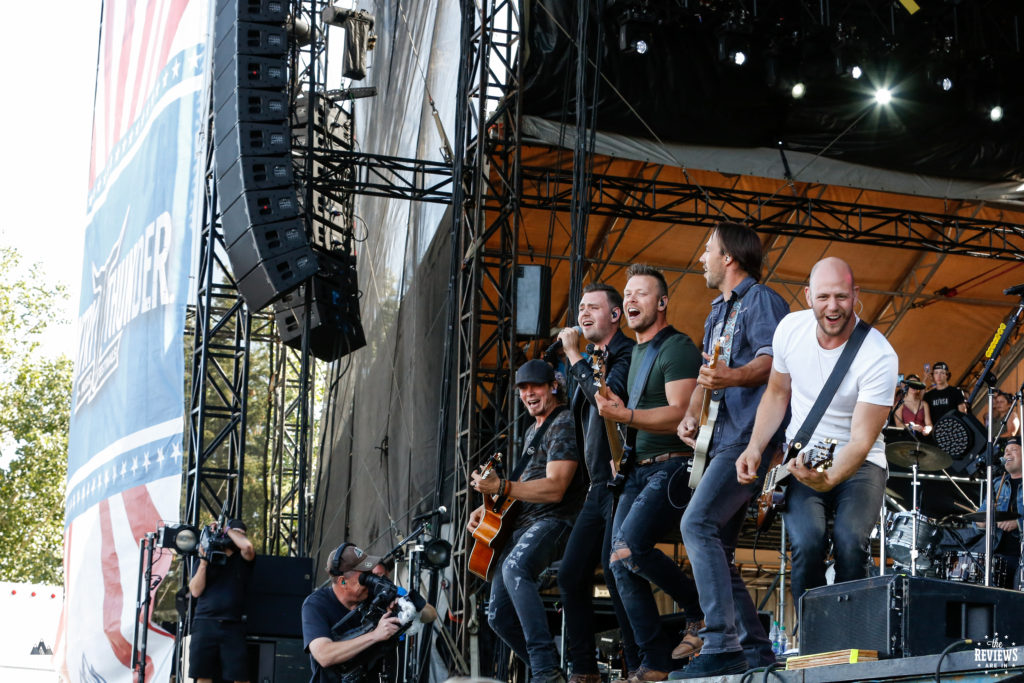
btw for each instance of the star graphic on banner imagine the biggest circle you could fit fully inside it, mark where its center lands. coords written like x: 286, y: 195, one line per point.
x: 135, y: 464
x: 160, y: 455
x: 124, y: 467
x: 145, y: 461
x: 193, y: 61
x: 106, y: 478
x: 175, y: 452
x: 176, y: 69
x: 113, y: 473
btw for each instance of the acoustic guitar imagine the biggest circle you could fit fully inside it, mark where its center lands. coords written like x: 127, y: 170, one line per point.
x: 708, y: 415
x: 773, y: 494
x: 495, y: 528
x: 623, y: 457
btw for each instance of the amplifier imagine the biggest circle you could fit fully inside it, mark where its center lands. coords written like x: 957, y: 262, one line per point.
x: 905, y: 616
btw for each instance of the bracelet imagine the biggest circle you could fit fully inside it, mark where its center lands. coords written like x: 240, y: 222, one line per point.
x: 630, y: 417
x: 501, y: 486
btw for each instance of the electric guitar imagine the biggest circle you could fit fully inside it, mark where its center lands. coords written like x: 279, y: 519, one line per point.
x: 623, y: 457
x: 773, y: 494
x: 708, y: 415
x: 495, y: 528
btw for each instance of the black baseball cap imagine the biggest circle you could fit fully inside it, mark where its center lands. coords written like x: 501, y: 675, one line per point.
x: 535, y: 371
x: 940, y: 365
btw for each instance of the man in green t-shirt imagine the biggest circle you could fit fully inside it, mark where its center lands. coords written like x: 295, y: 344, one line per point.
x: 656, y: 490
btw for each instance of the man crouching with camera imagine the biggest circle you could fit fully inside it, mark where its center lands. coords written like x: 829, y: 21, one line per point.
x: 351, y: 624
x: 218, y: 584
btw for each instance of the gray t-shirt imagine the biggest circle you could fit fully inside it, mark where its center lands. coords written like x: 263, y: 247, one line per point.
x: 557, y: 443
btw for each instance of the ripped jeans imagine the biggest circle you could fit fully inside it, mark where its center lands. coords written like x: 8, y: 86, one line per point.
x: 650, y: 506
x: 515, y: 611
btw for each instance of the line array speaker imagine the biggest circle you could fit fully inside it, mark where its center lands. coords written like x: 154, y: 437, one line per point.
x: 266, y: 239
x: 335, y: 327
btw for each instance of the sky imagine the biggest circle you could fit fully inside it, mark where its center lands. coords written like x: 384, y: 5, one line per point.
x: 48, y: 84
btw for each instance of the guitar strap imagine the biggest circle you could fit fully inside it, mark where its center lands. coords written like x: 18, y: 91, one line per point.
x: 644, y: 371
x: 534, y: 442
x: 828, y: 391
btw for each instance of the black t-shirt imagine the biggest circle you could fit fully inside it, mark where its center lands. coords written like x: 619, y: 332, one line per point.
x: 557, y: 443
x: 226, y: 585
x: 320, y: 611
x: 941, y: 401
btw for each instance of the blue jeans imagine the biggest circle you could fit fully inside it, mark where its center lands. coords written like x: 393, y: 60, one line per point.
x: 515, y: 611
x: 651, y: 504
x: 854, y: 506
x: 710, y: 527
x: 590, y: 544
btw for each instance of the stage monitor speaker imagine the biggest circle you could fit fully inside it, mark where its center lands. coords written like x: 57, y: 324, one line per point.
x: 964, y: 438
x: 281, y: 660
x: 335, y: 326
x: 905, y: 616
x: 533, y: 301
x: 277, y: 589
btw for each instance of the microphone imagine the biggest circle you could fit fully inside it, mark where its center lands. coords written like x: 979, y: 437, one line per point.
x: 1016, y: 290
x: 440, y: 510
x: 553, y: 349
x: 914, y: 384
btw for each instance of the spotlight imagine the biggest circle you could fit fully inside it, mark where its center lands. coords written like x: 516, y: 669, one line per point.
x: 636, y: 30
x: 640, y: 46
x: 945, y: 83
x: 182, y: 538
x: 437, y: 554
x: 739, y: 57
x: 883, y: 96
x: 995, y: 114
x: 798, y: 90
x: 855, y: 72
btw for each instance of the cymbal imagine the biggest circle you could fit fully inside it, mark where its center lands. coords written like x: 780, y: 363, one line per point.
x: 997, y: 516
x: 926, y: 456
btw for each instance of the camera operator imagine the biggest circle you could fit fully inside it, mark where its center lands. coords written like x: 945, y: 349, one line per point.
x: 218, y: 585
x: 360, y: 595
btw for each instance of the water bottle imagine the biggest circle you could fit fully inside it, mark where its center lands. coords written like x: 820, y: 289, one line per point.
x: 773, y: 635
x: 783, y: 640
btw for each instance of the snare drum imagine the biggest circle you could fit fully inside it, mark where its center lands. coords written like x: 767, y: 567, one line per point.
x: 970, y: 568
x: 899, y: 537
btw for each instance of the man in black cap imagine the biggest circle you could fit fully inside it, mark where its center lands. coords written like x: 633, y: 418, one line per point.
x: 549, y: 493
x: 943, y: 397
x: 329, y: 604
x: 217, y: 647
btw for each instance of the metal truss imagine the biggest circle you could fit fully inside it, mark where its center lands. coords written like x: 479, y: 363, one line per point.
x: 652, y: 199
x: 487, y: 159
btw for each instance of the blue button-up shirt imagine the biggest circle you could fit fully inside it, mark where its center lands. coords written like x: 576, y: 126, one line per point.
x: 761, y: 309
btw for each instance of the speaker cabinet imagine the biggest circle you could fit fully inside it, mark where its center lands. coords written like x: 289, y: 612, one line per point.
x: 905, y: 616
x: 277, y: 589
x: 533, y: 301
x: 277, y: 660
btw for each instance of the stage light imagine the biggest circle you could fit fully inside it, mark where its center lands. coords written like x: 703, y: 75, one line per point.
x: 855, y: 72
x: 640, y: 47
x: 798, y: 90
x: 739, y: 57
x: 946, y: 83
x: 995, y: 114
x: 636, y: 30
x: 437, y: 554
x: 182, y: 538
x: 883, y: 96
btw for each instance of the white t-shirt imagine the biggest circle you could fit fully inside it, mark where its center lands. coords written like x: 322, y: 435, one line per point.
x: 870, y: 379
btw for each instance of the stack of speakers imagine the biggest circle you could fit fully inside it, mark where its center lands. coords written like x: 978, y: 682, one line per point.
x: 262, y: 212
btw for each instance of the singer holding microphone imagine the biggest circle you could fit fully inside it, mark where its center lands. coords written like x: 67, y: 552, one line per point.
x: 914, y: 414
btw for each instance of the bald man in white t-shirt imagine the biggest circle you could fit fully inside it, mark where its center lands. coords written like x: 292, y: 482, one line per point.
x: 806, y: 347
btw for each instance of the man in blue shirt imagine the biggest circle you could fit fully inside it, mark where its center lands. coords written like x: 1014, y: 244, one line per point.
x: 744, y: 317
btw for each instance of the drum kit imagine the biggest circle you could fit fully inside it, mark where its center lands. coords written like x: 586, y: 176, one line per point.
x: 914, y: 541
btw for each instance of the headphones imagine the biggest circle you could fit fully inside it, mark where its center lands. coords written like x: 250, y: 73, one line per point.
x: 334, y: 565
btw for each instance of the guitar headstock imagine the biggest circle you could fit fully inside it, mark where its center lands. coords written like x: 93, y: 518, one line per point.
x: 598, y: 363
x: 493, y: 464
x: 822, y: 455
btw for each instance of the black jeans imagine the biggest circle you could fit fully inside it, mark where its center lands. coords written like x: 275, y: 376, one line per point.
x: 651, y: 504
x: 590, y: 544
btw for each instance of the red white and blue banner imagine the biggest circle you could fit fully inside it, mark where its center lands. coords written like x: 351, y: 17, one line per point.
x: 125, y: 453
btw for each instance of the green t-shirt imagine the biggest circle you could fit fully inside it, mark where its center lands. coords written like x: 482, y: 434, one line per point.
x: 678, y: 358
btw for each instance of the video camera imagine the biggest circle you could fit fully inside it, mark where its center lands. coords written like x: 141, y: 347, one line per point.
x: 214, y: 541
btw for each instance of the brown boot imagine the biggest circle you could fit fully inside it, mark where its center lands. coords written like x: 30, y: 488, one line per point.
x: 644, y: 674
x: 585, y: 678
x: 691, y: 642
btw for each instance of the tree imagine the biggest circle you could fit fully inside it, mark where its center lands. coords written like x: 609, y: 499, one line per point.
x: 35, y: 396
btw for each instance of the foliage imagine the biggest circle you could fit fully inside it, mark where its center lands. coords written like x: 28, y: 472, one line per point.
x: 35, y: 393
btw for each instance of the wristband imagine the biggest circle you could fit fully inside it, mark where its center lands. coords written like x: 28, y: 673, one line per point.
x: 630, y: 417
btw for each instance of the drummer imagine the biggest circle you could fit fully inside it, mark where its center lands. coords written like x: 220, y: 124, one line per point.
x: 1009, y: 495
x: 914, y: 413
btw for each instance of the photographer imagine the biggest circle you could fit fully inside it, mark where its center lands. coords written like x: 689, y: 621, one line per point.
x: 218, y: 585
x: 360, y: 608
